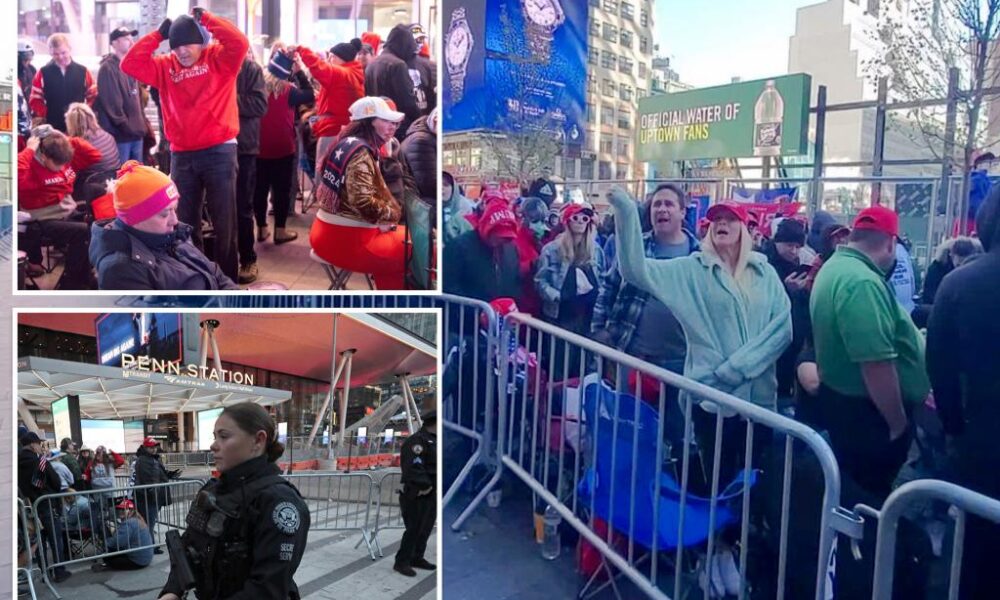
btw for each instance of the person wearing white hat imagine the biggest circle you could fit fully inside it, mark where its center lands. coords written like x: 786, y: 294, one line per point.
x: 65, y: 475
x: 357, y: 224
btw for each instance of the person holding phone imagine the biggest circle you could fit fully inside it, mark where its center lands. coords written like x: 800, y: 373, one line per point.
x: 782, y: 253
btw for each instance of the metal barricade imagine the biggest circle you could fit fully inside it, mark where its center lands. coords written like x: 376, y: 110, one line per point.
x: 388, y: 514
x: 962, y: 501
x: 29, y: 541
x: 339, y: 502
x: 82, y: 526
x: 554, y: 451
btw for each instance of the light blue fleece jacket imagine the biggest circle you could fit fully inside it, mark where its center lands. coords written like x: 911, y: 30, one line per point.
x: 734, y: 335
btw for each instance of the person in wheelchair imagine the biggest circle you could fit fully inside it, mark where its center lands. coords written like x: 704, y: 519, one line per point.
x: 91, y: 182
x: 46, y: 172
x: 145, y: 247
x: 356, y: 227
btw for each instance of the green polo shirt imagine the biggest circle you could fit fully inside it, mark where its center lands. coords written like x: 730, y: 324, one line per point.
x: 856, y: 318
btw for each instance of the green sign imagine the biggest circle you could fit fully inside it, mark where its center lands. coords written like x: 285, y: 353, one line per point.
x: 766, y: 117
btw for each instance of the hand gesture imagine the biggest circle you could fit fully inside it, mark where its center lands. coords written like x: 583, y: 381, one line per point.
x: 165, y: 28
x: 33, y: 143
x: 198, y: 12
x: 796, y: 282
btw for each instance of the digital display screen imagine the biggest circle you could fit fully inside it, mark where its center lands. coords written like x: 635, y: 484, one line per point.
x: 61, y: 419
x: 107, y: 433
x: 157, y: 335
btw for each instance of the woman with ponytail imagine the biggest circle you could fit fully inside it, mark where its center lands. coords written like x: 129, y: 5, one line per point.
x: 145, y: 247
x: 250, y: 520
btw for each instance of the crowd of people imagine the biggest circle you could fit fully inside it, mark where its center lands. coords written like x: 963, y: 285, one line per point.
x: 820, y: 320
x: 119, y: 520
x: 186, y: 207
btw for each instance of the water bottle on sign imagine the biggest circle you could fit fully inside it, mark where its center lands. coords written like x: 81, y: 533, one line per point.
x: 550, y: 540
x: 769, y: 112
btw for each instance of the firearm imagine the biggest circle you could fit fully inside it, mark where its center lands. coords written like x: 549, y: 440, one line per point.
x: 179, y: 561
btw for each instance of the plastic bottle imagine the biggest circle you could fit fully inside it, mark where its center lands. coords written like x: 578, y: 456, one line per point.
x: 768, y: 115
x: 550, y: 539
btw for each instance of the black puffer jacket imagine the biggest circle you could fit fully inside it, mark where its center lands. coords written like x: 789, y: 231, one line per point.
x: 126, y: 262
x: 389, y: 76
x: 149, y: 470
x: 419, y: 150
x: 251, y: 98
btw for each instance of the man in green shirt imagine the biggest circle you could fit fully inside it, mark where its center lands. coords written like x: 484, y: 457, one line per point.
x: 869, y: 353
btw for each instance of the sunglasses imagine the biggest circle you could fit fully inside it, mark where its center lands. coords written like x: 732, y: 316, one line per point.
x: 583, y: 216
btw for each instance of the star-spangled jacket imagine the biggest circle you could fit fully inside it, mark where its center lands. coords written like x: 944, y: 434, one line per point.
x: 351, y: 184
x: 272, y: 528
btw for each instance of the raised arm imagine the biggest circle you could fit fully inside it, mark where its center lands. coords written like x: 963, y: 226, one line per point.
x: 650, y: 275
x: 233, y: 45
x: 140, y: 62
x: 762, y: 350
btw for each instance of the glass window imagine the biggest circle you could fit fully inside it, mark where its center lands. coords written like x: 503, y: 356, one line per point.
x: 607, y: 114
x: 591, y: 113
x: 604, y: 170
x: 628, y: 11
x: 643, y: 45
x: 586, y: 168
x: 592, y: 55
x: 608, y: 88
x: 626, y: 38
x: 622, y: 171
x: 642, y: 69
x: 625, y: 65
x: 625, y: 92
x: 607, y: 144
x: 611, y: 5
x: 624, y: 119
x: 623, y: 147
x: 595, y: 27
x: 608, y: 59
x: 610, y: 32
x: 569, y: 168
x: 644, y: 17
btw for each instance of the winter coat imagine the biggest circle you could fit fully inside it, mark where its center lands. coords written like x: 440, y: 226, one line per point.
x: 474, y: 270
x: 27, y: 464
x: 339, y: 87
x: 551, y: 275
x: 126, y: 262
x: 149, y: 470
x: 419, y: 150
x: 389, y: 75
x: 735, y: 334
x: 251, y: 99
x: 454, y: 211
x: 118, y: 105
x: 198, y: 102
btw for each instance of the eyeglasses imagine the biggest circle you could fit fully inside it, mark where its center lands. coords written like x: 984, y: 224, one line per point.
x: 581, y: 217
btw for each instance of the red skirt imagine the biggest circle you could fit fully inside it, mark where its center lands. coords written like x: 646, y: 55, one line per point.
x: 362, y: 250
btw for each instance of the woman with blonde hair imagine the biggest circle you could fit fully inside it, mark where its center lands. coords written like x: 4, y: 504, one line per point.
x: 81, y: 122
x: 570, y: 271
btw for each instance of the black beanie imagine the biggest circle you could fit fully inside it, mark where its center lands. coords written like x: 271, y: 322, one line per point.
x: 183, y: 31
x: 790, y: 231
x: 347, y: 51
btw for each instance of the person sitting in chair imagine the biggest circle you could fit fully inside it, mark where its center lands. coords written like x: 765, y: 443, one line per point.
x: 145, y: 247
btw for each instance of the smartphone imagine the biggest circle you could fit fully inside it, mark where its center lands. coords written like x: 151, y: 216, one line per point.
x: 799, y: 270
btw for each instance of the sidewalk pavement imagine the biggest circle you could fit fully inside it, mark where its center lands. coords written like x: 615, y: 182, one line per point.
x: 331, y: 569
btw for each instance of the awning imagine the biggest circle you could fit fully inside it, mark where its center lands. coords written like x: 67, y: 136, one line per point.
x: 115, y: 393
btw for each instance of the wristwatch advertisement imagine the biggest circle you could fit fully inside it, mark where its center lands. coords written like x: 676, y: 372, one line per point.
x: 541, y: 19
x: 458, y: 49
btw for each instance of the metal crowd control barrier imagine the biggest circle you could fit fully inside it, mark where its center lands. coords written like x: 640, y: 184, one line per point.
x: 28, y: 544
x: 961, y: 499
x: 82, y: 526
x: 388, y: 514
x: 339, y: 502
x: 558, y: 458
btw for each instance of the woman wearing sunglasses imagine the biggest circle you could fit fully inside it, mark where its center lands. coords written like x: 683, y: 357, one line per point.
x: 570, y: 271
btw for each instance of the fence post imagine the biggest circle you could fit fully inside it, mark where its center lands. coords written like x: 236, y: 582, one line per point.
x: 816, y: 201
x: 949, y: 145
x: 879, y: 146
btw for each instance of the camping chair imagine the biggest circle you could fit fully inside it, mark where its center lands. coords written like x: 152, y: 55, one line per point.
x: 306, y: 169
x: 606, y: 487
x: 338, y: 276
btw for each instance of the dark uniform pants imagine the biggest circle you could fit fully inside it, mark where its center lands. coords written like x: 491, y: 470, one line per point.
x: 419, y: 513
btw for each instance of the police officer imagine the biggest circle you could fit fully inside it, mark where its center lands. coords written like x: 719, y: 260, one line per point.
x: 418, y: 500
x: 246, y: 531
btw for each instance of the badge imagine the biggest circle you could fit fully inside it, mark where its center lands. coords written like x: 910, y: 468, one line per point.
x: 286, y: 517
x: 417, y: 448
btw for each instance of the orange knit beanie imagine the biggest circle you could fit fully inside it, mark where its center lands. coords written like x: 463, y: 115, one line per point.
x: 140, y: 192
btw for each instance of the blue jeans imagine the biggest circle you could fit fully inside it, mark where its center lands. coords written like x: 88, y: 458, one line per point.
x: 210, y: 175
x: 130, y: 151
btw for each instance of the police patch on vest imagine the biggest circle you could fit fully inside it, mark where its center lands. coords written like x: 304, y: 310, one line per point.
x: 417, y: 448
x: 286, y: 517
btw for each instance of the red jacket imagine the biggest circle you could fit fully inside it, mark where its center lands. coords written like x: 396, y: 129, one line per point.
x: 38, y: 187
x: 198, y: 103
x: 340, y: 86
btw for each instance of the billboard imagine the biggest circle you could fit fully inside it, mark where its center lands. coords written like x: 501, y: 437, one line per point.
x: 766, y: 117
x: 61, y: 421
x: 509, y: 62
x: 157, y: 335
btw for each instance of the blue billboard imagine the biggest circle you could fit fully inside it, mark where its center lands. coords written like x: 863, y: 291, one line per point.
x: 516, y: 63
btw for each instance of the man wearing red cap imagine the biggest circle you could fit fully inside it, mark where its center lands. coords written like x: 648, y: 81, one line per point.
x: 484, y: 263
x: 131, y: 531
x: 150, y: 470
x: 870, y: 355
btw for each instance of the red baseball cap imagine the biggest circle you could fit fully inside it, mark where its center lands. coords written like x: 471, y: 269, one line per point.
x: 572, y: 209
x: 878, y: 218
x: 497, y: 219
x: 126, y: 504
x: 149, y: 442
x: 727, y: 206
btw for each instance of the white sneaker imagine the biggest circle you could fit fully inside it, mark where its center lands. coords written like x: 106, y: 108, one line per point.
x: 729, y: 573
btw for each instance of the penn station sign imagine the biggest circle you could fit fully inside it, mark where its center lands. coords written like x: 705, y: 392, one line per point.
x: 148, y: 364
x: 766, y: 117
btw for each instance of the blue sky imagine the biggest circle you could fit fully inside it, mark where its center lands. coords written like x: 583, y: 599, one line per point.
x: 712, y: 41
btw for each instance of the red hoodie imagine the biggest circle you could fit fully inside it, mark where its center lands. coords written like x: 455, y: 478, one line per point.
x: 38, y: 187
x: 340, y: 86
x: 199, y: 102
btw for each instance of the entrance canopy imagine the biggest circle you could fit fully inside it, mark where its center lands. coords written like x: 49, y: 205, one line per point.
x: 115, y: 393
